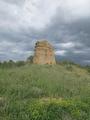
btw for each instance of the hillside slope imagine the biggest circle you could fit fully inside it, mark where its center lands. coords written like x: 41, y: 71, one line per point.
x: 28, y: 92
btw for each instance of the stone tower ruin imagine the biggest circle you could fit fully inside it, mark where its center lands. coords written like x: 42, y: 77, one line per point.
x: 44, y: 53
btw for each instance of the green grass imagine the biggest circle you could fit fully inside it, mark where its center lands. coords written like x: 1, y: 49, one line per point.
x: 44, y: 92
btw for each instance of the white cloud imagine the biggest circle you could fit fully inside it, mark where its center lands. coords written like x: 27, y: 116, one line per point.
x: 79, y: 7
x: 61, y: 52
x: 74, y: 10
x: 20, y: 51
x: 8, y: 16
x: 32, y: 13
x: 68, y: 45
x: 38, y: 13
x: 65, y: 45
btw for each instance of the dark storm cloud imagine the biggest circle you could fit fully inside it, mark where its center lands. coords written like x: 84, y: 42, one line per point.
x: 69, y: 36
x: 72, y: 40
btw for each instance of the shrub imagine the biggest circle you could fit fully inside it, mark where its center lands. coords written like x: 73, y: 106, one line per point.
x: 20, y: 63
x: 50, y: 109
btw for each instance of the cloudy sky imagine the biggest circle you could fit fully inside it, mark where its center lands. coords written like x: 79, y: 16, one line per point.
x: 64, y: 23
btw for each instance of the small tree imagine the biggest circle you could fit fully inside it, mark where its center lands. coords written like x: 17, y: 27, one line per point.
x: 30, y: 59
x: 20, y: 63
x: 11, y: 63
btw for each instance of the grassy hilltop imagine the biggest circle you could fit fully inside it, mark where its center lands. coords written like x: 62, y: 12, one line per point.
x: 44, y: 92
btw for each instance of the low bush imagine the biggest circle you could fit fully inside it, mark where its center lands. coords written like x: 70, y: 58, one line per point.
x: 48, y: 109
